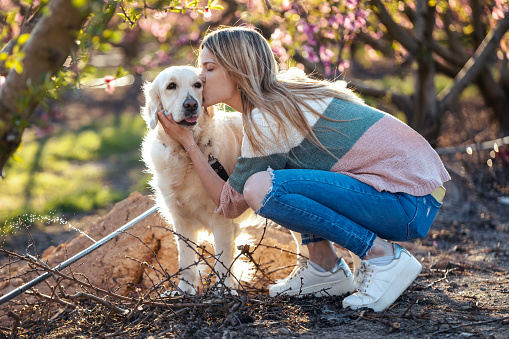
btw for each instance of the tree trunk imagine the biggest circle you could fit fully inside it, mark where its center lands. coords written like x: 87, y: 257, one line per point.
x: 45, y: 52
x: 426, y: 114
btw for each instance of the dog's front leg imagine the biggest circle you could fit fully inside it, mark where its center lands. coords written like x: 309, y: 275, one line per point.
x: 224, y: 248
x: 186, y: 242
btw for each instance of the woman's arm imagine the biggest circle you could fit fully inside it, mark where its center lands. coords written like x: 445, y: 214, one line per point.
x: 210, y: 180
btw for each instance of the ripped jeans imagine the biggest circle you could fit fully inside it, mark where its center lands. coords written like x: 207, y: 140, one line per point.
x: 325, y: 205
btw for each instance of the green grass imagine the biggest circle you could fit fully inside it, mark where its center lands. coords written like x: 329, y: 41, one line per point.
x: 74, y: 171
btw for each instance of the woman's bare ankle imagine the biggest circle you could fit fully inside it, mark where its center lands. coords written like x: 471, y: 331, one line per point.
x: 381, y: 248
x: 322, y: 253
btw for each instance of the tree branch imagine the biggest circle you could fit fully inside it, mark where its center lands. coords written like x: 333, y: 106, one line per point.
x: 396, y: 31
x: 474, y: 65
x: 26, y: 28
x: 402, y: 102
x: 45, y: 52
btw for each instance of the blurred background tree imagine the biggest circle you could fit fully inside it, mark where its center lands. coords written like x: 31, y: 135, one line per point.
x: 413, y: 59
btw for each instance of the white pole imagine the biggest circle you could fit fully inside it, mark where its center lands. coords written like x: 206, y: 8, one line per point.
x: 76, y: 257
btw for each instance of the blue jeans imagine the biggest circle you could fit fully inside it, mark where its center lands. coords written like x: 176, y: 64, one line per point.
x: 325, y: 205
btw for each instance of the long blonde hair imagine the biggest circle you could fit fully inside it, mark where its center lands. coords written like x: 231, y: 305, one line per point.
x: 247, y: 57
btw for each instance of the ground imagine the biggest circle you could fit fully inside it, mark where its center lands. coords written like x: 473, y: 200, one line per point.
x: 463, y: 290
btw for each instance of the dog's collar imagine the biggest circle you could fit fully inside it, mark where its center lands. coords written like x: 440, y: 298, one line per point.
x: 215, y: 164
x: 217, y: 167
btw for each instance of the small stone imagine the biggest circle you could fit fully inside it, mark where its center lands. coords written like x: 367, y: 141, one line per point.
x: 283, y: 330
x: 483, y: 288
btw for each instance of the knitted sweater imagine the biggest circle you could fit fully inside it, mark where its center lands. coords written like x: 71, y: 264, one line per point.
x: 366, y: 144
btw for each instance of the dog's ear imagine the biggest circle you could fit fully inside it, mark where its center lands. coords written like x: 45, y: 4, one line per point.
x: 209, y: 111
x: 152, y: 104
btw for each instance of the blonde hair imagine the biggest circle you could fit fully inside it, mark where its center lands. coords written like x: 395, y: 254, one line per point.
x: 247, y: 57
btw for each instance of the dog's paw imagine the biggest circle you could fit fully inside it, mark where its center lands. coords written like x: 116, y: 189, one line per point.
x: 183, y: 289
x: 220, y: 290
x: 173, y: 293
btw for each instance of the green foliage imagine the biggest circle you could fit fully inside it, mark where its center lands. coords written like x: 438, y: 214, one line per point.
x: 74, y: 171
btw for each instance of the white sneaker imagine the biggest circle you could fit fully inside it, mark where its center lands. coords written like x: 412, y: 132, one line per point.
x: 301, y: 262
x: 307, y: 280
x: 380, y: 286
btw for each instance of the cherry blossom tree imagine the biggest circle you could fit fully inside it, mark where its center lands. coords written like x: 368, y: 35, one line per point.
x: 46, y: 46
x: 465, y: 40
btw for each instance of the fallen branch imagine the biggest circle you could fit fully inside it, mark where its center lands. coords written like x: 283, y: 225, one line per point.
x: 471, y: 324
x: 107, y: 304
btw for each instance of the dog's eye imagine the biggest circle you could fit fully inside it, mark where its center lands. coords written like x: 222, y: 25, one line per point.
x: 197, y: 85
x: 172, y: 85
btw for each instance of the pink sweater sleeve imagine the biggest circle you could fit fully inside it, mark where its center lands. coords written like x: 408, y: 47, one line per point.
x: 232, y: 203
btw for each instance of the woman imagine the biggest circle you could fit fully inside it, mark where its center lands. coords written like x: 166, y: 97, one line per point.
x: 318, y: 161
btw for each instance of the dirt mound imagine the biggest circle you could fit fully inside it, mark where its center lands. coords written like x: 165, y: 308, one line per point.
x: 462, y: 289
x: 137, y: 258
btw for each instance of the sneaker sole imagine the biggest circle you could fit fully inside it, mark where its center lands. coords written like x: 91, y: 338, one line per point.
x: 322, y: 290
x: 398, y: 286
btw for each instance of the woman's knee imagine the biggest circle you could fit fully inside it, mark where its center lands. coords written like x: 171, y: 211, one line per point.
x: 256, y: 189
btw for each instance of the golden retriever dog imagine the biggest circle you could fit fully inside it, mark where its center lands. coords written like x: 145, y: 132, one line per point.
x: 181, y: 198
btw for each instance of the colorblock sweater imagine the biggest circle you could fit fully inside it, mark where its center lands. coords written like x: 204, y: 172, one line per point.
x: 366, y: 144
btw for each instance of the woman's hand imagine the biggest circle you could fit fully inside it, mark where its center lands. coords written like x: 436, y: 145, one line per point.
x: 174, y: 130
x: 211, y: 181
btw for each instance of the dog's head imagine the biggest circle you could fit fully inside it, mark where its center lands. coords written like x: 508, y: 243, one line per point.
x: 178, y: 90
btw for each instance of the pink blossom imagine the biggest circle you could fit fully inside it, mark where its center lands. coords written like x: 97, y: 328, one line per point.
x: 309, y: 30
x: 329, y: 34
x: 326, y: 54
x: 139, y: 69
x: 110, y: 89
x: 110, y: 84
x: 286, y: 5
x: 351, y: 4
x: 360, y: 22
x: 109, y: 78
x: 2, y: 80
x: 162, y: 56
x: 328, y: 70
x: 207, y: 13
x: 311, y: 54
x: 497, y: 13
x: 343, y: 65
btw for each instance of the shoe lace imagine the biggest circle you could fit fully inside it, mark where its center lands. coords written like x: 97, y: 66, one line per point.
x: 297, y: 270
x: 363, y: 277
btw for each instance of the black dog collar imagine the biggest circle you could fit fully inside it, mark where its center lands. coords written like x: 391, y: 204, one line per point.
x: 217, y: 167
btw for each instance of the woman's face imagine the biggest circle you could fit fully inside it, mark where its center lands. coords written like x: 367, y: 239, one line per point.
x: 218, y: 87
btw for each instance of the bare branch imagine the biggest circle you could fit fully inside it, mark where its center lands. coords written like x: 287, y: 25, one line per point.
x: 474, y: 65
x: 396, y: 31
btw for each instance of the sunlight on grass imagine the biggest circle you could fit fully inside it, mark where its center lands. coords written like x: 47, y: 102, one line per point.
x: 75, y: 171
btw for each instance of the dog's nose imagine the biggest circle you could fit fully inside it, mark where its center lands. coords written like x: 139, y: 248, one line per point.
x: 190, y: 104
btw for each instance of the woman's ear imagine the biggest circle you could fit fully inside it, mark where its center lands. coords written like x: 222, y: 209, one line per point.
x: 152, y: 105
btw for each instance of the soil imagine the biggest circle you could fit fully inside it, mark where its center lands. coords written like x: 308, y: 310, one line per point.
x: 462, y: 291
